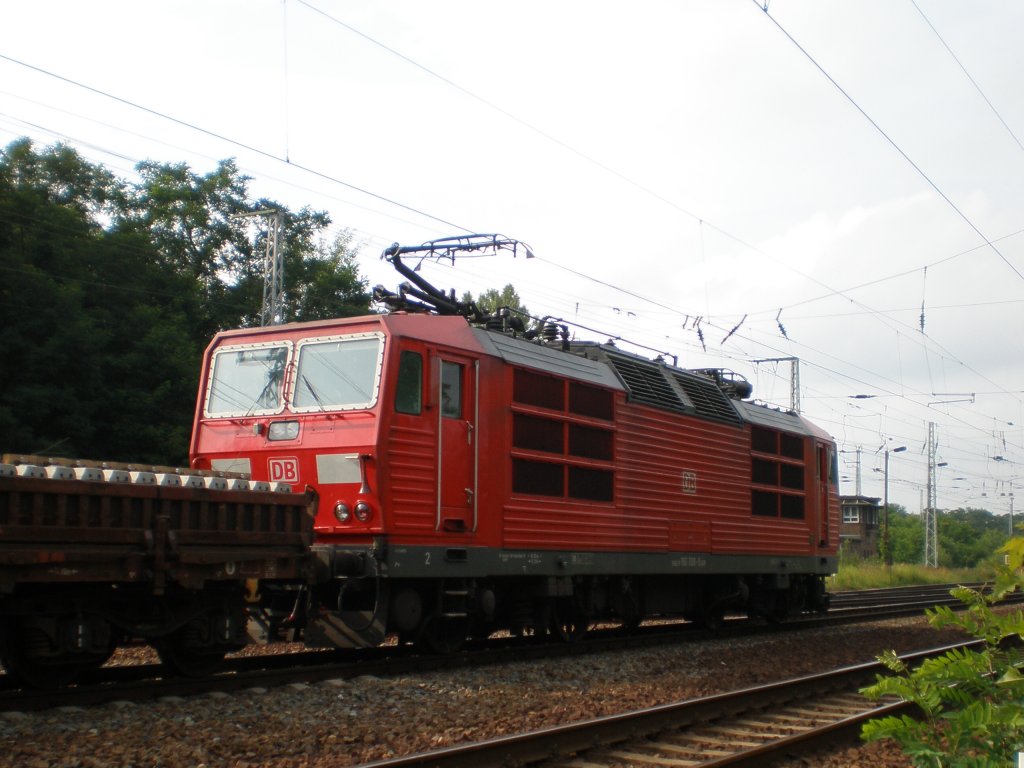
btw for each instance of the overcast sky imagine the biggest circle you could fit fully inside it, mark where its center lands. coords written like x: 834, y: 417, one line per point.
x: 845, y: 171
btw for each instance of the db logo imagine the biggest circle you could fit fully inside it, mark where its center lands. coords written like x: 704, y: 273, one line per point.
x: 284, y: 470
x: 689, y: 482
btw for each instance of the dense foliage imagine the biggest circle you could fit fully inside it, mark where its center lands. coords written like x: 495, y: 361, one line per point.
x: 110, y: 289
x: 491, y: 300
x: 966, y: 537
x: 971, y: 701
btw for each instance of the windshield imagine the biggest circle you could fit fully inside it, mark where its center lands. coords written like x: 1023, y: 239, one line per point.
x: 247, y: 381
x: 338, y: 374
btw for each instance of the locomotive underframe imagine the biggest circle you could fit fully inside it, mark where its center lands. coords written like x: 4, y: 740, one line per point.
x: 442, y: 595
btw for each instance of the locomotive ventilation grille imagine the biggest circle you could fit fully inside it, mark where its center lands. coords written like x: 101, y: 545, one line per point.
x: 653, y: 383
x: 707, y: 397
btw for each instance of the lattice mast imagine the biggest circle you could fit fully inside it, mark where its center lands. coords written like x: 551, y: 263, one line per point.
x: 272, y: 311
x: 794, y: 379
x: 273, y: 273
x: 930, y: 513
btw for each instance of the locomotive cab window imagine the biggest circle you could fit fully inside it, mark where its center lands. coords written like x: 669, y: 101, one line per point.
x: 247, y: 380
x: 338, y: 374
x: 409, y: 392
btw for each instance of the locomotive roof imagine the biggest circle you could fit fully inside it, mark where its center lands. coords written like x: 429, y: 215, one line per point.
x: 786, y: 421
x: 534, y: 355
x: 646, y: 381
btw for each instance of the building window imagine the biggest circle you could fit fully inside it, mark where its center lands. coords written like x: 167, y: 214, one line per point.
x: 851, y: 514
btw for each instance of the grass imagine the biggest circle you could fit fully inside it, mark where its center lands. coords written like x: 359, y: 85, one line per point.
x: 866, y: 574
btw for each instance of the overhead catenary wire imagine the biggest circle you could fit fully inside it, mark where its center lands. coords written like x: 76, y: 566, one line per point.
x: 405, y: 58
x: 986, y: 240
x: 233, y: 142
x: 702, y: 221
x: 968, y: 75
x: 638, y: 296
x: 726, y: 324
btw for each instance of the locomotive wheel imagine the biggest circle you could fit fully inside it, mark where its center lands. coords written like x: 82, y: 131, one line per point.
x: 569, y: 621
x: 711, y: 617
x: 443, y: 634
x: 781, y: 610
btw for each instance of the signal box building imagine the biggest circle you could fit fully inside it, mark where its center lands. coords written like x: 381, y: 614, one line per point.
x: 860, y: 530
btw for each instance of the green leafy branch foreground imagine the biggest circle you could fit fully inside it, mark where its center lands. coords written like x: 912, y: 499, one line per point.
x: 971, y: 701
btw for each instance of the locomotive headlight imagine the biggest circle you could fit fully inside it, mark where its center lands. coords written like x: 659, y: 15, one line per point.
x: 283, y: 430
x: 363, y: 511
x: 342, y: 512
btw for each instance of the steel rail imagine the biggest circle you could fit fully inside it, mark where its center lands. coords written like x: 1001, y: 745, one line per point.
x: 148, y: 682
x: 559, y: 744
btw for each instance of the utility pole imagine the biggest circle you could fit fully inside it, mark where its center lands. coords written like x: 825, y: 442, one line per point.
x: 858, y: 471
x: 885, y: 533
x: 272, y: 312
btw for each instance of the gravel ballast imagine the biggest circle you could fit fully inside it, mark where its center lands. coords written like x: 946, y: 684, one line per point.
x: 339, y: 723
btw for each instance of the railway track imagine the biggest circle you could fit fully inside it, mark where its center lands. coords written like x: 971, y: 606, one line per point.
x: 892, y: 596
x: 149, y: 681
x: 749, y: 727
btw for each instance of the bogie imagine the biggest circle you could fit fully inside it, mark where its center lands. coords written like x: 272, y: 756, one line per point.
x: 197, y: 648
x: 51, y: 651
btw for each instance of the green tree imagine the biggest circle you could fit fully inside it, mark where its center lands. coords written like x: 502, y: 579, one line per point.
x: 110, y: 290
x: 906, y: 535
x: 965, y: 539
x: 491, y: 300
x: 326, y: 283
x: 50, y: 339
x: 201, y: 224
x: 193, y: 222
x: 79, y: 300
x: 966, y: 536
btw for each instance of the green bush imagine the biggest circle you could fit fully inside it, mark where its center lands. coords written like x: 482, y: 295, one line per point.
x: 972, y: 701
x: 872, y: 574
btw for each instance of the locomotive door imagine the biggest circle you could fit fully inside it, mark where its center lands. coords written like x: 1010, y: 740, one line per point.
x: 457, y: 452
x: 822, y: 500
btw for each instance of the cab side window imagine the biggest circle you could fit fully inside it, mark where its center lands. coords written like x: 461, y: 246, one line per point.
x: 451, y: 390
x: 409, y: 393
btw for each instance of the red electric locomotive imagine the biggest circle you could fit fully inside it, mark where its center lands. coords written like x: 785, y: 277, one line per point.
x: 473, y: 476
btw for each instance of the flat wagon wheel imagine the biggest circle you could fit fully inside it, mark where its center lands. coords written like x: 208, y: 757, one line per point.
x: 26, y: 654
x: 182, y: 655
